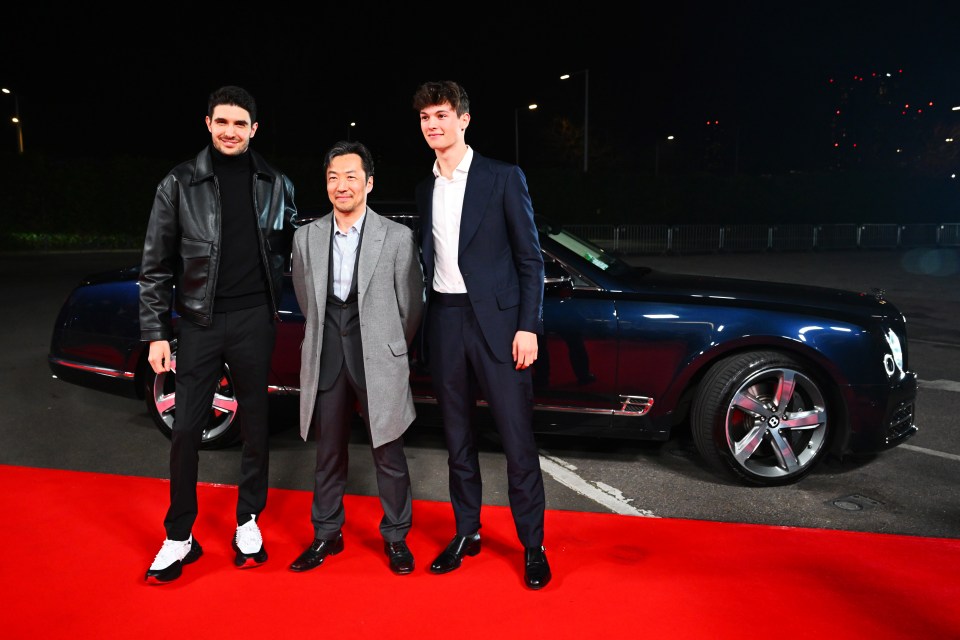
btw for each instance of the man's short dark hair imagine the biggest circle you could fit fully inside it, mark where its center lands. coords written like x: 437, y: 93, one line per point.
x: 434, y: 93
x: 233, y: 96
x: 343, y: 148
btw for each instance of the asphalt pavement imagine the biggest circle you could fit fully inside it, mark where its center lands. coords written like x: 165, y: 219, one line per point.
x: 911, y: 490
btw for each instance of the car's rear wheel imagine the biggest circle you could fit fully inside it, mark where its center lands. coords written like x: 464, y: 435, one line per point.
x: 762, y: 417
x: 223, y: 426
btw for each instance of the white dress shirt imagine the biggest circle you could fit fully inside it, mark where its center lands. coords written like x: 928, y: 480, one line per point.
x: 345, y: 256
x: 447, y: 210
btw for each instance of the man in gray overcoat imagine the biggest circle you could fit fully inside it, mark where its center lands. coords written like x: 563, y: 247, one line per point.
x: 353, y: 268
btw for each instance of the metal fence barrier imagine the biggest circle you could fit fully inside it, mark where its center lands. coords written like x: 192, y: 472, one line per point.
x: 634, y: 239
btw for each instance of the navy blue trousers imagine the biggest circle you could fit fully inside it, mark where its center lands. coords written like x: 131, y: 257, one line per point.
x: 462, y: 365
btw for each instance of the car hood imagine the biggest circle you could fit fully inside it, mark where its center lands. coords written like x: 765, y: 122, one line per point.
x: 113, y: 275
x: 643, y: 282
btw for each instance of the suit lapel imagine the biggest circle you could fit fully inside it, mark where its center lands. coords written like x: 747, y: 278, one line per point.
x: 424, y: 199
x: 320, y: 239
x: 475, y: 197
x: 374, y: 231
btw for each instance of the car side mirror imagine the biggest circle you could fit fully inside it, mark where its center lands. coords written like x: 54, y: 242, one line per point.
x: 555, y: 278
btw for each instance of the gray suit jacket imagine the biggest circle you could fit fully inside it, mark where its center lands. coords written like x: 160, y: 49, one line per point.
x: 391, y: 293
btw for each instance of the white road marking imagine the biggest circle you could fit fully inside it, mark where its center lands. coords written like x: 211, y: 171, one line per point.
x: 934, y: 342
x: 613, y: 499
x: 603, y: 494
x: 942, y: 385
x: 930, y: 452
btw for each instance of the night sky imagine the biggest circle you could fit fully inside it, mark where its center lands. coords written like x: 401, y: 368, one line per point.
x: 94, y: 84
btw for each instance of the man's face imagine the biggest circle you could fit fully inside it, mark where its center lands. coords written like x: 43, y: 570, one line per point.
x: 441, y: 126
x: 347, y: 184
x: 231, y: 129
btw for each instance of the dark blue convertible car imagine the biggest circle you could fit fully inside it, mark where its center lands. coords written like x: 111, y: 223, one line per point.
x: 769, y: 378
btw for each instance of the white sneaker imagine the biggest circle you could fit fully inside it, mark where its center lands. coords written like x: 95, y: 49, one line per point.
x: 248, y: 543
x: 169, y: 561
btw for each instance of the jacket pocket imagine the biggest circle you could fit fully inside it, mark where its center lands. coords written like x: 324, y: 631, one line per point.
x: 398, y: 347
x: 195, y: 262
x: 509, y: 297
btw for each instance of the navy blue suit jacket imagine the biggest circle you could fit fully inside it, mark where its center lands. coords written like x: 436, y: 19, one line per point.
x: 499, y: 252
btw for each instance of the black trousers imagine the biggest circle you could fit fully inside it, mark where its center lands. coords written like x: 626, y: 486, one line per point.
x: 331, y: 424
x: 459, y: 361
x: 244, y: 340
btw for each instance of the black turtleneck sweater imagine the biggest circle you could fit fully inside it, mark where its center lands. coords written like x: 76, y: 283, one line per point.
x: 241, y: 281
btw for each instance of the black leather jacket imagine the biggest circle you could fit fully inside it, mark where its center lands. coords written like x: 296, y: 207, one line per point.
x: 182, y: 245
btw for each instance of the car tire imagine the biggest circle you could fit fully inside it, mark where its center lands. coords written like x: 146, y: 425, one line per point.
x: 761, y: 416
x: 223, y: 428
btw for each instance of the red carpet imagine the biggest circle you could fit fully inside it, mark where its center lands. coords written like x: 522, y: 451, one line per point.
x: 76, y: 546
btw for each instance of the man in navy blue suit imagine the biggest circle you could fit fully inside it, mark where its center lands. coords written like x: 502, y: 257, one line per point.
x: 484, y: 274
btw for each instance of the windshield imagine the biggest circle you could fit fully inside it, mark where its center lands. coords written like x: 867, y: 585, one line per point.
x: 584, y: 248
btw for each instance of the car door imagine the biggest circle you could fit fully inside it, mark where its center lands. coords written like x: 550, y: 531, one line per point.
x: 575, y: 375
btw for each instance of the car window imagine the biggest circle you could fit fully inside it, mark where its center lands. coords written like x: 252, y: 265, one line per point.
x: 556, y: 272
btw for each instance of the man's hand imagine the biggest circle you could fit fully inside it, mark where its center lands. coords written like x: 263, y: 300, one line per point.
x: 159, y: 357
x: 524, y: 349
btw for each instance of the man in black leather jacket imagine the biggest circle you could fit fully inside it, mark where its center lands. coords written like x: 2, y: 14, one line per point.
x: 219, y: 234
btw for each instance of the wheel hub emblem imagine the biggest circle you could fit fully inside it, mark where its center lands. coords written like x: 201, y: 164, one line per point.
x: 773, y: 422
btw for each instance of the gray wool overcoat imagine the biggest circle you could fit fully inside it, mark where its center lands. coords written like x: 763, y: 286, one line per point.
x: 390, y: 292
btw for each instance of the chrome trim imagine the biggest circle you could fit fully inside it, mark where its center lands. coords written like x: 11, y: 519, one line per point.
x: 632, y: 406
x: 103, y: 371
x: 278, y: 390
x: 636, y: 405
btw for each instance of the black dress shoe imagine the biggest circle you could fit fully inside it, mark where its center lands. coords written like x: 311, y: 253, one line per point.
x: 451, y: 557
x: 536, y: 572
x: 317, y: 552
x: 586, y: 379
x: 401, y: 559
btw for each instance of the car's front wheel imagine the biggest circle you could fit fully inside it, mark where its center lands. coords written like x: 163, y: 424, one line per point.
x: 761, y: 416
x: 223, y: 426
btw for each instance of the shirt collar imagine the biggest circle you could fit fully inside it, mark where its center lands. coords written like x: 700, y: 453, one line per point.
x: 462, y: 168
x: 358, y: 225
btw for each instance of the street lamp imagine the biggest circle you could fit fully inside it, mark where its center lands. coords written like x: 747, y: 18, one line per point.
x: 586, y: 111
x: 16, y: 118
x: 656, y: 156
x: 516, y: 129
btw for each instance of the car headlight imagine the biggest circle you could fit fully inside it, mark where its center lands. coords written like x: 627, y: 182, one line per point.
x: 893, y: 361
